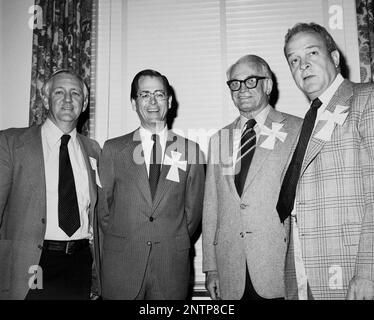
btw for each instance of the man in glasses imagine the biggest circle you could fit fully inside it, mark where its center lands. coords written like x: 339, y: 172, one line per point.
x: 153, y: 183
x: 244, y: 243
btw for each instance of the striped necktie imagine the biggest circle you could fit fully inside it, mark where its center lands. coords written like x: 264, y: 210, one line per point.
x: 245, y: 155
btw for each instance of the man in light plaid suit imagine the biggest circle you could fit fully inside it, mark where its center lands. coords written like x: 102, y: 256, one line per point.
x: 332, y: 204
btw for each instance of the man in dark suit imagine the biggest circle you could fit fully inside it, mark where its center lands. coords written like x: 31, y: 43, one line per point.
x: 48, y: 200
x: 153, y: 184
x: 244, y: 243
x: 328, y: 190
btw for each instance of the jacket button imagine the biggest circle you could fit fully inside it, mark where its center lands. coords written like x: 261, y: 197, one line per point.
x: 149, y: 243
x: 43, y: 220
x: 243, y: 206
x: 40, y: 247
x: 242, y: 234
x: 151, y: 219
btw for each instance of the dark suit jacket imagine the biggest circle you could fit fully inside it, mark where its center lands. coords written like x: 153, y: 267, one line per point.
x: 23, y: 205
x: 137, y: 228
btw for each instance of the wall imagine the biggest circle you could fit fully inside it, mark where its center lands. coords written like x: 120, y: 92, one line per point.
x: 15, y: 62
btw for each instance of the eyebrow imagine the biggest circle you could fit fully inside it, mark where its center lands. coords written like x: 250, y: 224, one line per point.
x: 308, y: 47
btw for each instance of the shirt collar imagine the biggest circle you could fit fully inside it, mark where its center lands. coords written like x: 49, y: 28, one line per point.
x: 53, y: 133
x: 146, y: 134
x: 326, y: 96
x: 260, y: 117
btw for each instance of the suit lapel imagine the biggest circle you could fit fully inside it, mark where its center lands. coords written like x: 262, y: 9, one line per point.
x: 226, y: 150
x: 164, y: 184
x: 341, y: 96
x: 91, y: 175
x: 261, y: 154
x: 32, y: 151
x: 133, y: 150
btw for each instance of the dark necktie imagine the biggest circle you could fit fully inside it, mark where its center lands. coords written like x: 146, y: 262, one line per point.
x: 155, y: 164
x: 245, y: 155
x: 68, y: 211
x: 288, y: 190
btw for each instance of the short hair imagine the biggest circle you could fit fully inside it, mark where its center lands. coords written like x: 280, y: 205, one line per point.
x: 47, y: 85
x: 265, y: 68
x: 147, y: 73
x: 311, y: 28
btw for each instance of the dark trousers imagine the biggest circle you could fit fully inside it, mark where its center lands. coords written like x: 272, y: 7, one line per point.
x: 250, y: 292
x: 65, y: 276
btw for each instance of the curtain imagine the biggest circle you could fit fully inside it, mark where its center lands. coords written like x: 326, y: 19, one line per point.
x: 365, y: 23
x: 61, y: 40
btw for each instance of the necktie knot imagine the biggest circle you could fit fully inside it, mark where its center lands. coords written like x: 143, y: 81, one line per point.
x: 154, y: 137
x: 316, y: 103
x: 65, y: 139
x: 250, y: 124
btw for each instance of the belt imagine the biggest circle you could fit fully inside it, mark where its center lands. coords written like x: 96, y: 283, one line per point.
x: 68, y: 247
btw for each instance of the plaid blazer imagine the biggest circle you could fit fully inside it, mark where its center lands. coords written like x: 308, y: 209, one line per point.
x: 335, y: 197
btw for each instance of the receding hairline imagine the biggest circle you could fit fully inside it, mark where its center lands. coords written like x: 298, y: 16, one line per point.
x: 47, y: 85
x: 260, y: 63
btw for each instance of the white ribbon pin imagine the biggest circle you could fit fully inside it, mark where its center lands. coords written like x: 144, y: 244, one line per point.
x: 94, y: 167
x: 272, y: 134
x: 174, y: 164
x: 332, y: 117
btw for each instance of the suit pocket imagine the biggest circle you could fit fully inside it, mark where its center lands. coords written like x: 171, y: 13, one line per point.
x: 183, y: 242
x: 5, y: 264
x: 114, y: 242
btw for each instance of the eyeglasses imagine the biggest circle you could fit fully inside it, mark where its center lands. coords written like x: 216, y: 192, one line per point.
x: 146, y: 95
x: 250, y: 83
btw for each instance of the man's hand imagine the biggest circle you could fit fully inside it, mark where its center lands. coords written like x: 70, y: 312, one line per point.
x: 212, y: 285
x: 360, y: 289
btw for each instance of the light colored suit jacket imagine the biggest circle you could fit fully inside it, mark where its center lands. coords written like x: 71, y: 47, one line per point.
x: 335, y: 197
x: 247, y: 230
x: 140, y: 233
x: 23, y: 206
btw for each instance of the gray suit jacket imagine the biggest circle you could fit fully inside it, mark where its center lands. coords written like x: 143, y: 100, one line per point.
x: 140, y: 233
x: 23, y: 206
x: 247, y: 230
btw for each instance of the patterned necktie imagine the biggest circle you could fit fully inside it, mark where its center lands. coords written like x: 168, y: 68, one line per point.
x: 155, y: 164
x: 68, y: 211
x: 245, y: 155
x: 288, y: 190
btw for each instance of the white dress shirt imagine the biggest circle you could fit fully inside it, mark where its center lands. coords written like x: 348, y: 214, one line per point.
x: 51, y: 140
x: 260, y: 119
x: 147, y: 143
x: 301, y: 276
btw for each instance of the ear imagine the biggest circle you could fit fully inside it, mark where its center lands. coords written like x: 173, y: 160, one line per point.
x: 268, y: 87
x: 85, y: 103
x: 45, y: 100
x: 335, y: 57
x: 133, y: 103
x: 170, y: 99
